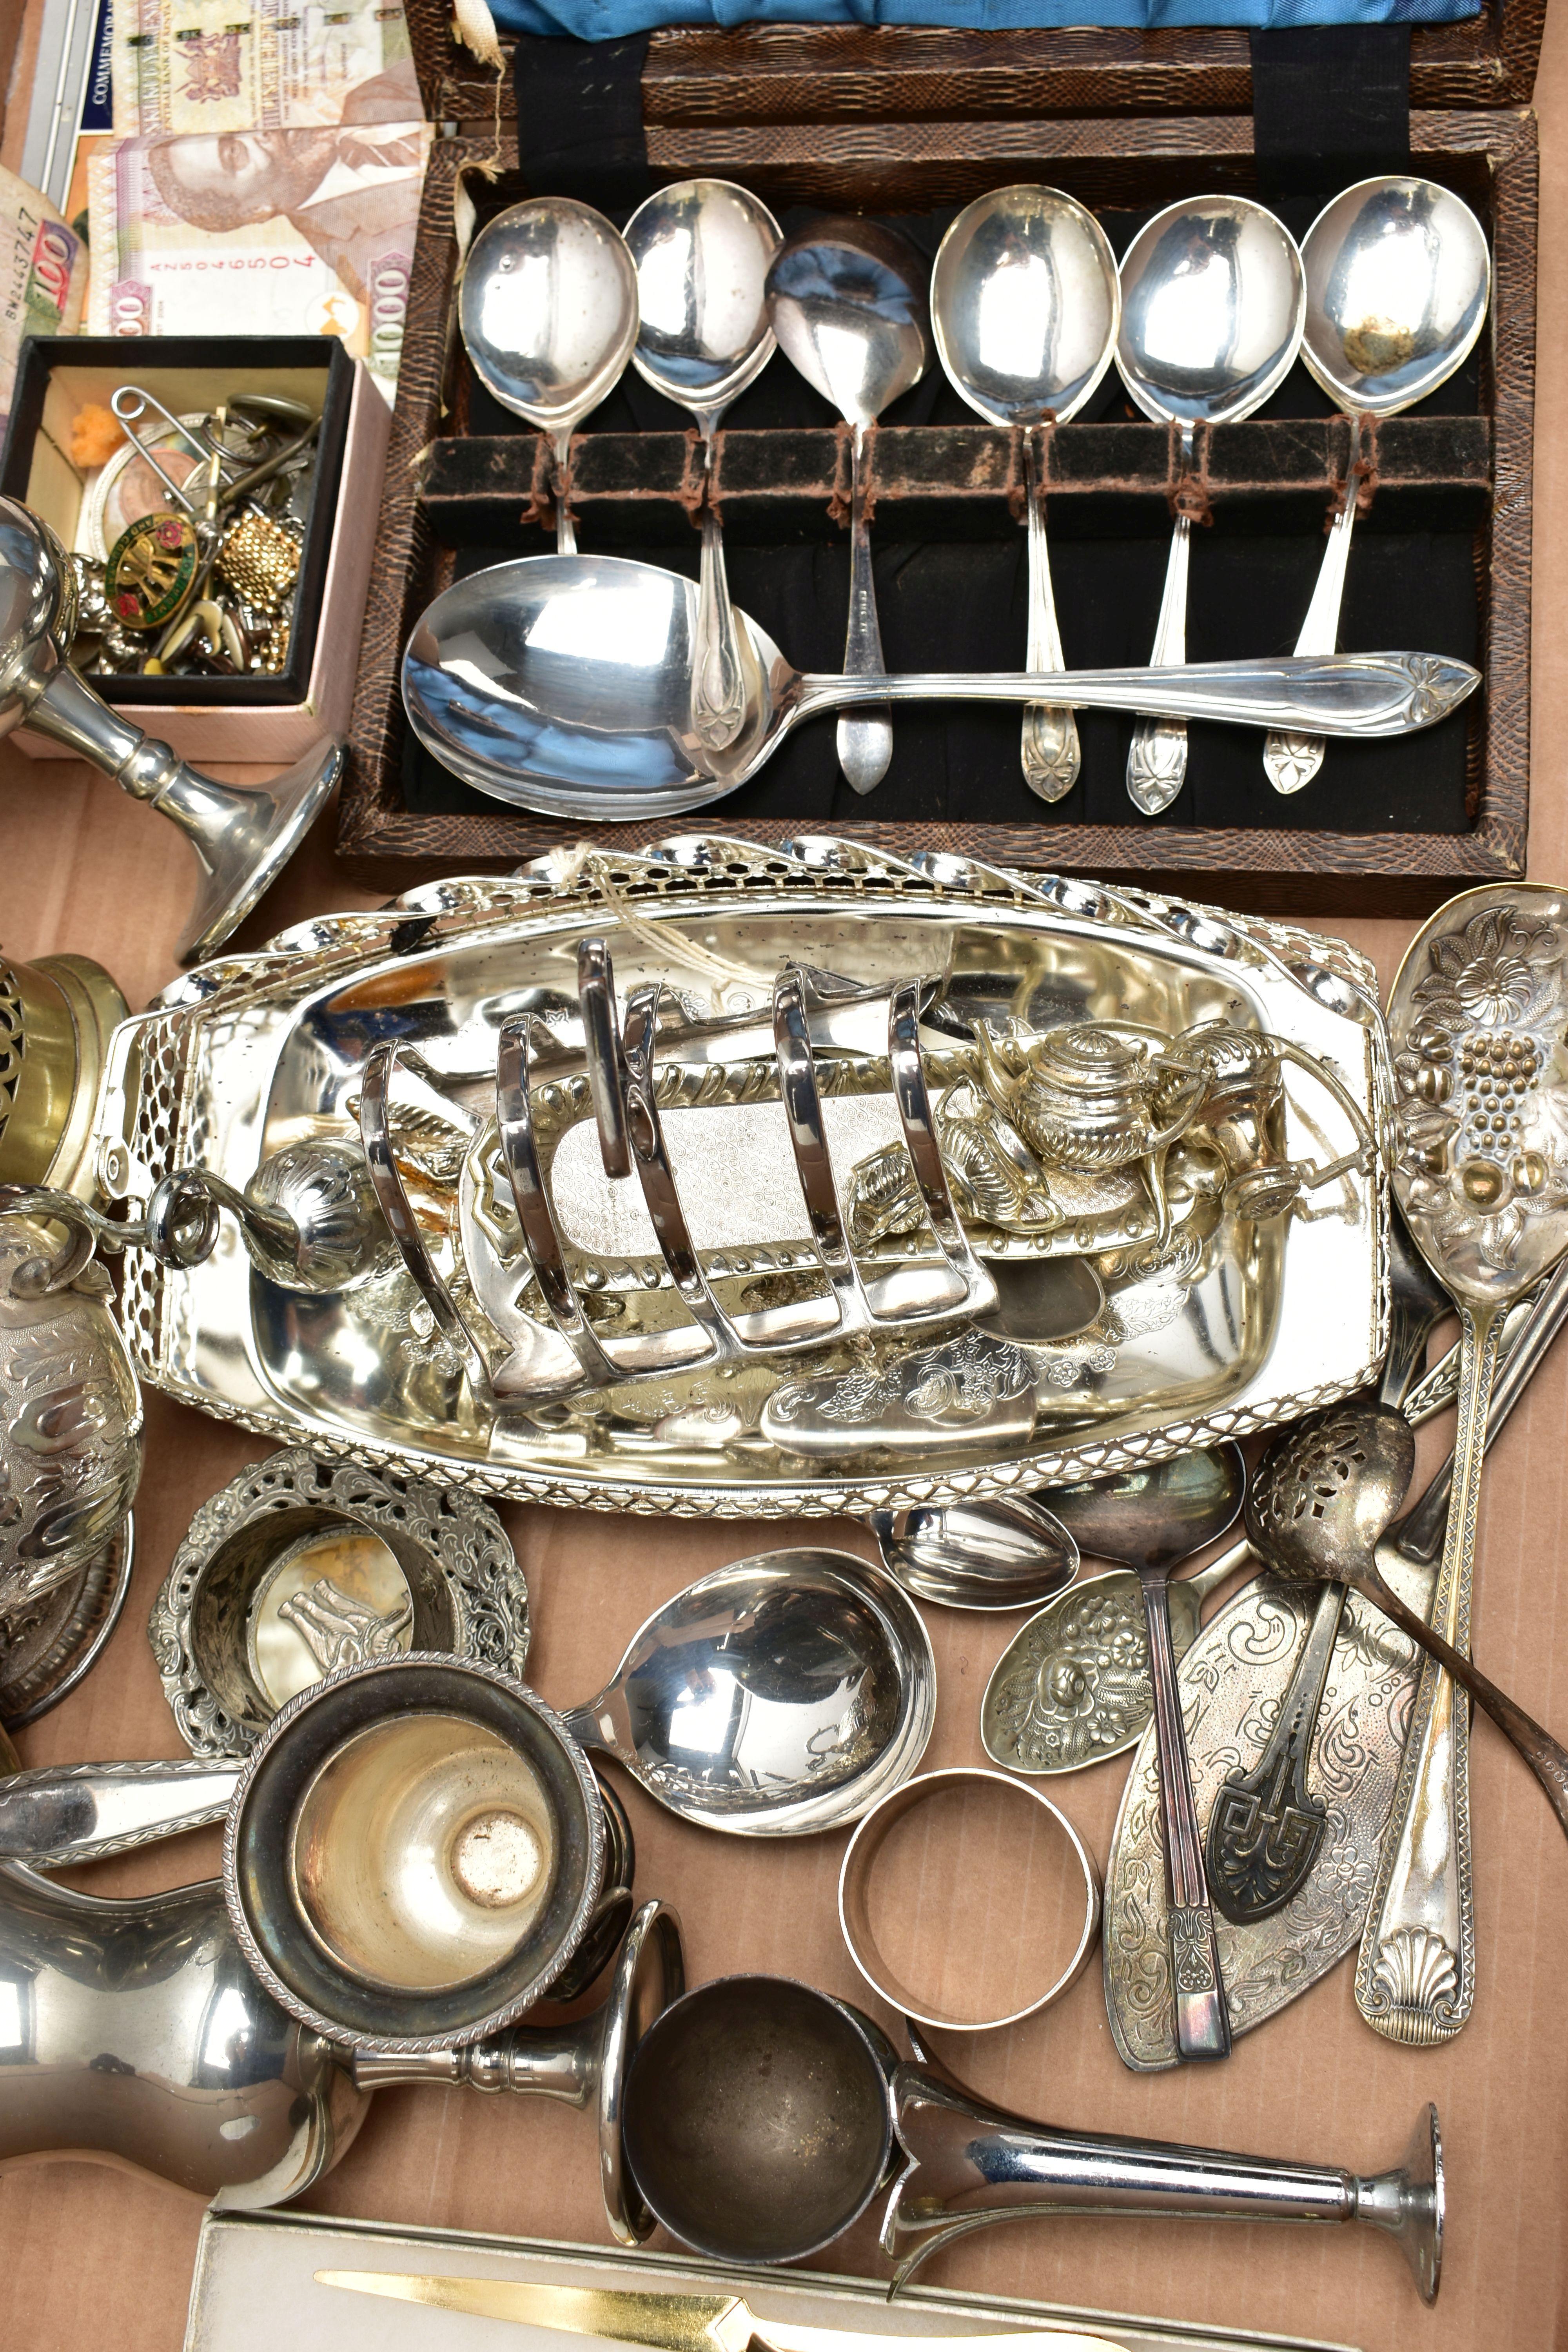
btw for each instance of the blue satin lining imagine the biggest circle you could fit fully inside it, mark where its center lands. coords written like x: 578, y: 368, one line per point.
x: 604, y: 20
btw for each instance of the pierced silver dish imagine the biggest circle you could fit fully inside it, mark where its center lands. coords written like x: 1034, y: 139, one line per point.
x: 753, y: 1220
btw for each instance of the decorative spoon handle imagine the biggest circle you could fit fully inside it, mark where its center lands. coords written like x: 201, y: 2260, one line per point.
x: 1051, y: 751
x: 720, y: 696
x: 565, y: 529
x: 864, y: 741
x: 1157, y: 759
x: 1415, y: 1976
x: 1292, y: 760
x: 1421, y: 1537
x: 1202, y: 2020
x: 1266, y: 1826
x: 63, y: 1814
x: 1363, y: 696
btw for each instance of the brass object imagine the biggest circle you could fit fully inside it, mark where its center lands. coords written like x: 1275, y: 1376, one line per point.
x: 56, y: 1016
x: 259, y: 559
x: 666, y: 2321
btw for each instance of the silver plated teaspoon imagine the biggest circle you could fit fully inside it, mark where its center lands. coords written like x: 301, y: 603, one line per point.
x: 1025, y: 302
x: 1398, y: 279
x: 1211, y: 305
x: 703, y: 249
x: 548, y: 313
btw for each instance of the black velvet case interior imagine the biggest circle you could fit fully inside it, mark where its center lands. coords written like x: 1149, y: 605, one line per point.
x: 961, y: 604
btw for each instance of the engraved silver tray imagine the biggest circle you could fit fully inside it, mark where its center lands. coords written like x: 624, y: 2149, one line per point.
x: 250, y: 1054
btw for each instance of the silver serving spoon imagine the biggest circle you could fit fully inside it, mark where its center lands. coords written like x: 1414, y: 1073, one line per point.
x: 1004, y: 1552
x: 702, y: 250
x: 783, y: 1695
x: 1211, y: 305
x: 1476, y: 1157
x: 1025, y: 306
x: 564, y: 684
x: 1398, y: 279
x: 548, y: 311
x: 848, y: 302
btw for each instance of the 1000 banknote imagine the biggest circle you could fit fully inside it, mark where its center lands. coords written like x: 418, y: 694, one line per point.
x: 260, y: 233
x: 273, y: 65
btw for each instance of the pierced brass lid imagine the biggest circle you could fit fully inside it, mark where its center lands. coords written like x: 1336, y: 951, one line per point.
x: 56, y: 1016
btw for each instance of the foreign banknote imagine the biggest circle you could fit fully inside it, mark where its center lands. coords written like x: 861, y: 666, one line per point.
x: 260, y: 233
x: 272, y: 65
x: 43, y: 278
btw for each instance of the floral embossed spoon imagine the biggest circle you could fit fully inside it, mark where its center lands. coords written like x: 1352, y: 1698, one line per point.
x: 1479, y: 1157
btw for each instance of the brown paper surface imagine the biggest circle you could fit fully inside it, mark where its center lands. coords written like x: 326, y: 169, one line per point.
x: 92, y: 2256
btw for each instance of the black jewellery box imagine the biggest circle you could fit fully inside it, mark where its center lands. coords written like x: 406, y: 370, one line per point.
x: 265, y: 718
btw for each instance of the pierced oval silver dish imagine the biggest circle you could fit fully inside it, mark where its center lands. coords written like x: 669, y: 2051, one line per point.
x: 724, y: 1180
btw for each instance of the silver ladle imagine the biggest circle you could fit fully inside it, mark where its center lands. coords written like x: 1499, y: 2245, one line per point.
x: 848, y: 302
x: 548, y: 313
x: 702, y: 250
x: 1398, y: 279
x: 1212, y: 304
x: 564, y: 685
x: 783, y: 1695
x: 1025, y: 305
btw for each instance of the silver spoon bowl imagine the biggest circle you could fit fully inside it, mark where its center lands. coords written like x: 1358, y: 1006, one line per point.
x: 1026, y: 303
x: 1211, y: 305
x: 548, y: 313
x: 702, y: 250
x: 783, y: 1695
x: 1003, y: 1553
x: 564, y: 685
x: 1398, y: 278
